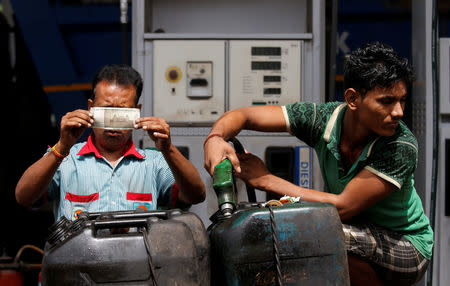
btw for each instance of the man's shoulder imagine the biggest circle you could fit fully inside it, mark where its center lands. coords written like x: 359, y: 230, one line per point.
x: 327, y: 107
x: 318, y: 113
x: 403, y: 137
x: 77, y: 147
x: 402, y: 146
x: 150, y: 153
x: 308, y: 120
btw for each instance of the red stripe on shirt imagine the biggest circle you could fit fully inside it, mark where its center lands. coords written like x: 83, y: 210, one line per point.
x: 81, y: 199
x: 89, y: 148
x: 139, y: 197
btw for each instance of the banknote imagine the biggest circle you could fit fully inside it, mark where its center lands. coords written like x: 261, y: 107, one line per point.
x: 114, y: 117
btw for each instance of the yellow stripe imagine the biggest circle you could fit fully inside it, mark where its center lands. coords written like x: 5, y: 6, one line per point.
x: 68, y: 87
x: 331, y: 121
x: 286, y: 119
x: 339, y: 78
x: 383, y: 176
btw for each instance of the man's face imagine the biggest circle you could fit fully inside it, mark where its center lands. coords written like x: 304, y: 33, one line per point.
x: 112, y: 95
x: 382, y: 108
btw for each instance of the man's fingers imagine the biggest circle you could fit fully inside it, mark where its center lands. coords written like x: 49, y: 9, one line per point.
x: 235, y: 162
x: 77, y: 122
x: 78, y: 118
x: 152, y: 126
x: 160, y: 135
x: 79, y: 113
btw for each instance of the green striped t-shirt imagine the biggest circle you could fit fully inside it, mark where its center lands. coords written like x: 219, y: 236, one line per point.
x: 393, y: 158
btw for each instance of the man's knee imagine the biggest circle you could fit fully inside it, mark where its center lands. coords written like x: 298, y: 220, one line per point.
x: 362, y: 272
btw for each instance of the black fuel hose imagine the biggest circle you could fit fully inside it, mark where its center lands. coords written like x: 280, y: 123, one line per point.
x: 435, y: 163
x: 240, y: 150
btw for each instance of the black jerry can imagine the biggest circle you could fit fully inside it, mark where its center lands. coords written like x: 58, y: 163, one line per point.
x: 128, y: 248
x: 310, y: 242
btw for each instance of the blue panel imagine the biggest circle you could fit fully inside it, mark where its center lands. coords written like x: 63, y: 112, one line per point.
x: 66, y: 102
x: 89, y: 14
x: 91, y: 50
x: 370, y: 6
x: 303, y: 166
x: 358, y: 34
x: 37, y: 21
x: 69, y: 43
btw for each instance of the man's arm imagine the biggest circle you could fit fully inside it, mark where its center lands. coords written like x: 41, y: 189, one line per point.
x: 364, y: 190
x: 191, y: 186
x: 259, y: 118
x: 35, y: 179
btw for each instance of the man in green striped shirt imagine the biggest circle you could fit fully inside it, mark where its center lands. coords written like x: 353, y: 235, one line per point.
x: 367, y: 157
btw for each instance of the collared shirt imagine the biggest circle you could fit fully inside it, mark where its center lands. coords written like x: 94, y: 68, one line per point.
x: 393, y: 159
x: 85, y: 181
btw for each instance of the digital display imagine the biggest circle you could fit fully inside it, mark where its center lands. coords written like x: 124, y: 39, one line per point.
x: 266, y: 65
x: 266, y: 51
x: 259, y: 103
x: 272, y: 78
x: 272, y: 91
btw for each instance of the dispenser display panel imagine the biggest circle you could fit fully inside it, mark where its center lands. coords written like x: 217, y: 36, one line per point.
x: 189, y: 81
x: 264, y: 72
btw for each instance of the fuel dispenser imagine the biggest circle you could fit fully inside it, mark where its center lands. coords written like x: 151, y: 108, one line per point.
x: 196, y: 81
x: 442, y: 225
x: 190, y: 85
x: 201, y: 64
x: 264, y: 72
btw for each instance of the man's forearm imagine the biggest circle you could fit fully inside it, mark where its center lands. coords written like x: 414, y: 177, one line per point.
x: 274, y: 184
x: 259, y: 118
x: 36, y: 178
x: 192, y: 188
x: 229, y: 124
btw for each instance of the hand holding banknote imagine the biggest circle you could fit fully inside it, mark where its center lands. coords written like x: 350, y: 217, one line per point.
x: 115, y: 117
x: 73, y: 125
x: 128, y: 118
x: 158, y: 130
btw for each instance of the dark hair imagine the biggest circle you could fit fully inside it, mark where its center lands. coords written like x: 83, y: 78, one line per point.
x: 120, y: 74
x: 373, y: 65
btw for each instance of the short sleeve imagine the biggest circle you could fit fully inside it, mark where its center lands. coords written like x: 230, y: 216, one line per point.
x: 167, y: 191
x: 307, y: 121
x: 395, y: 162
x: 53, y: 186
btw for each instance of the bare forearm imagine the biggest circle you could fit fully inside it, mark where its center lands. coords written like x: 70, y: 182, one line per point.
x: 346, y: 209
x: 230, y: 124
x: 262, y: 118
x: 36, y: 178
x: 271, y: 183
x: 192, y: 188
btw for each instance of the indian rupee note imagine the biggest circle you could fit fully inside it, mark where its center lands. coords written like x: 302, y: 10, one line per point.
x: 114, y: 117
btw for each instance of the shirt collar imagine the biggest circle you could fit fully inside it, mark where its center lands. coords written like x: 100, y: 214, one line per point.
x: 332, y: 122
x: 332, y: 134
x: 89, y: 148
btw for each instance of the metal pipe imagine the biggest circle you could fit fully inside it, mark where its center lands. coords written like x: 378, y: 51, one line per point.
x: 20, y: 266
x: 435, y: 90
x: 124, y: 29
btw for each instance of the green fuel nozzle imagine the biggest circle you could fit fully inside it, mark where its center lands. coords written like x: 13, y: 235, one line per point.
x: 224, y: 187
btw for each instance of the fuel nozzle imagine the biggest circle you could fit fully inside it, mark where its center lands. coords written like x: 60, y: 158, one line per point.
x: 224, y: 187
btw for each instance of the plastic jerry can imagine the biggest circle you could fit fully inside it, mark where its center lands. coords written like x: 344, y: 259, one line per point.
x: 309, y: 244
x: 128, y: 248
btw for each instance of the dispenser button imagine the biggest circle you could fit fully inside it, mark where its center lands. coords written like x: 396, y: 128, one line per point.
x: 173, y: 74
